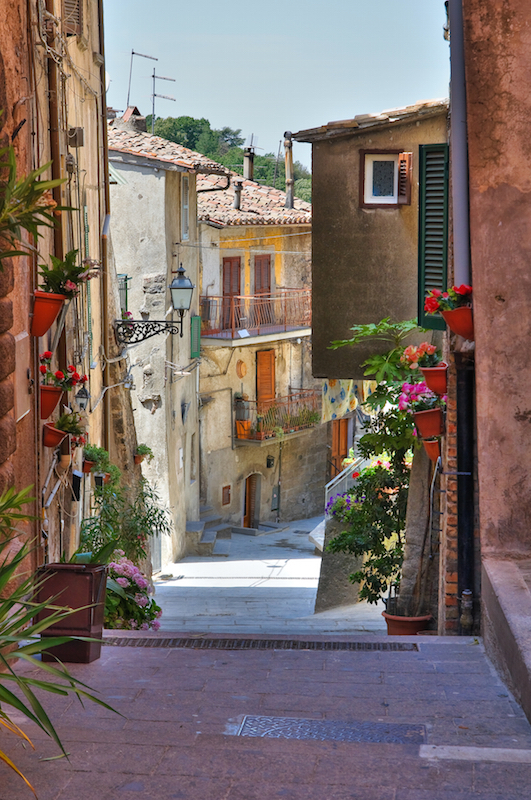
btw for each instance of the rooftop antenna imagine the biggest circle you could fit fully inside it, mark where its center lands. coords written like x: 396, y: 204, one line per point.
x: 131, y: 71
x: 165, y: 96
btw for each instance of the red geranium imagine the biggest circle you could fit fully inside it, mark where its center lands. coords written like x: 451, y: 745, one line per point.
x: 455, y: 297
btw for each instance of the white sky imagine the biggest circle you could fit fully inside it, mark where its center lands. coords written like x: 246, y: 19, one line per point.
x: 270, y: 66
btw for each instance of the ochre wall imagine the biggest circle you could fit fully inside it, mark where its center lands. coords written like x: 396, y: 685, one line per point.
x: 498, y: 63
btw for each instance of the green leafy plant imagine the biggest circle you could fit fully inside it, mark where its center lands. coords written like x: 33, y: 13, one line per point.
x: 373, y: 513
x: 145, y: 451
x: 20, y: 636
x: 70, y: 423
x: 128, y: 604
x: 26, y: 204
x: 65, y: 275
x: 98, y: 456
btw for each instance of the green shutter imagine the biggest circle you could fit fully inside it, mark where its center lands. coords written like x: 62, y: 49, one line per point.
x: 195, y: 337
x: 433, y: 227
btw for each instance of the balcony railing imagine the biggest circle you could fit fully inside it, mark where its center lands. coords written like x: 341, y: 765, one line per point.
x: 259, y: 314
x: 274, y: 418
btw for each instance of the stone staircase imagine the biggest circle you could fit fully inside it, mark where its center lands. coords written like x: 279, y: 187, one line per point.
x: 210, y: 536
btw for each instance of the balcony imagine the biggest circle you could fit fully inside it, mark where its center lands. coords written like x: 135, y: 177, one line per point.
x: 243, y: 316
x: 257, y: 422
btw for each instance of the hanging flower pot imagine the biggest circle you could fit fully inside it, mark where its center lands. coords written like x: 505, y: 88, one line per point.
x: 138, y: 458
x: 87, y: 466
x: 50, y: 396
x: 432, y: 448
x: 51, y: 436
x: 46, y: 308
x: 429, y: 423
x: 460, y: 321
x: 435, y: 378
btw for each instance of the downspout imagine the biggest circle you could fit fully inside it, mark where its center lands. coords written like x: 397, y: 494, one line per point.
x: 288, y: 161
x: 104, y: 238
x: 55, y: 145
x: 462, y: 274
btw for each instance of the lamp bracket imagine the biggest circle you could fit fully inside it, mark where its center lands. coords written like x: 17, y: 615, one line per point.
x: 134, y: 331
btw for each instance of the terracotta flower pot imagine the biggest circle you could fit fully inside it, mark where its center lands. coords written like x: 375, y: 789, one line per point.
x: 51, y: 436
x: 46, y: 308
x: 243, y: 428
x: 460, y: 321
x: 138, y: 458
x: 50, y: 396
x: 432, y: 448
x: 87, y: 466
x: 405, y: 626
x: 429, y: 423
x: 436, y: 378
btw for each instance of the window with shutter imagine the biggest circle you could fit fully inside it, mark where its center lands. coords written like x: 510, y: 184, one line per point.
x: 225, y: 495
x: 231, y: 288
x: 404, y: 178
x: 265, y: 377
x: 433, y: 227
x: 385, y: 178
x: 262, y: 274
x: 195, y: 337
x: 73, y: 17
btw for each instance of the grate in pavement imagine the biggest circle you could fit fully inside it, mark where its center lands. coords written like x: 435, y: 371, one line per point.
x: 255, y: 644
x: 328, y: 730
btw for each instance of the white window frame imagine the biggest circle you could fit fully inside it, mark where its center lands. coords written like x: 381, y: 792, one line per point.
x: 368, y: 197
x: 185, y: 208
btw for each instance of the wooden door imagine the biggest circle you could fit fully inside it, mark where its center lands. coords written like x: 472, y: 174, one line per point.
x: 339, y: 444
x: 262, y: 287
x: 231, y: 289
x: 249, y: 509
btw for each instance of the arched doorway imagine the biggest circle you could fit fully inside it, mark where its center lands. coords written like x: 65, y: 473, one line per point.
x: 251, y: 501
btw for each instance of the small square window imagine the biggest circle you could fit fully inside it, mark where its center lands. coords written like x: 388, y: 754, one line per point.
x: 225, y: 496
x: 385, y: 179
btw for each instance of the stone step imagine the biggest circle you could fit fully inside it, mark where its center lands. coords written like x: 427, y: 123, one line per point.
x: 195, y: 526
x: 209, y: 536
x: 246, y: 531
x: 317, y: 536
x: 211, y: 520
x: 221, y: 548
x: 204, y: 510
x: 194, y: 531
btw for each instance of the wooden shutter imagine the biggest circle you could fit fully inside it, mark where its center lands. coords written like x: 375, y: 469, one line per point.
x: 404, y: 178
x: 433, y: 227
x: 73, y: 17
x: 339, y: 444
x: 195, y: 337
x: 265, y: 376
x: 225, y: 495
x: 262, y: 274
x: 231, y: 276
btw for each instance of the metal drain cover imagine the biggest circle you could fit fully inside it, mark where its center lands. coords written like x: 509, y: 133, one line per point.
x: 255, y: 644
x: 328, y: 730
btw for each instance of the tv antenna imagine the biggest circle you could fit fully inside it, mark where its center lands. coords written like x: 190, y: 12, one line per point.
x: 165, y: 96
x: 133, y: 54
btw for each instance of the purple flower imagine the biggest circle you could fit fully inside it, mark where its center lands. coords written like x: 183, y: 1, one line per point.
x: 141, y: 600
x: 155, y: 624
x: 123, y: 582
x: 144, y: 626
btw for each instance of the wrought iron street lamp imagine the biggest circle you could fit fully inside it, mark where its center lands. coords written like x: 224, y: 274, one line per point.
x: 131, y: 331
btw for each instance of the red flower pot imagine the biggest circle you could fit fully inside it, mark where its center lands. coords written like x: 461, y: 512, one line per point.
x: 432, y: 448
x: 435, y: 378
x: 50, y: 396
x: 87, y: 466
x: 46, y: 308
x: 405, y: 626
x: 429, y: 423
x: 51, y: 436
x: 460, y: 321
x: 138, y: 458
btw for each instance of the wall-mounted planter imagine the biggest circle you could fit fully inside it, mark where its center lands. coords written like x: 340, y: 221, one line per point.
x: 50, y: 396
x: 138, y: 458
x: 436, y: 378
x: 243, y: 428
x: 432, y: 448
x: 429, y: 423
x: 51, y: 437
x: 87, y: 466
x: 460, y: 321
x: 46, y: 308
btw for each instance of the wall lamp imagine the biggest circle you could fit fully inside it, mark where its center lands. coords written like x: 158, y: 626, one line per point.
x: 134, y: 331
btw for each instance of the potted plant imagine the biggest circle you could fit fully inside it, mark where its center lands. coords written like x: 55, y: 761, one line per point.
x: 55, y: 383
x: 95, y: 458
x: 455, y: 307
x: 425, y: 406
x: 432, y: 448
x: 128, y: 605
x: 142, y: 452
x: 242, y: 414
x: 427, y: 358
x: 60, y: 282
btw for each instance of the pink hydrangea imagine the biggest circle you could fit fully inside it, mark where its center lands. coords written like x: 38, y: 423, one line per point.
x: 123, y: 582
x: 144, y: 626
x: 141, y: 600
x: 155, y: 624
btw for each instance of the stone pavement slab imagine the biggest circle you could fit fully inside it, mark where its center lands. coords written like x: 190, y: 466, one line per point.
x: 182, y: 709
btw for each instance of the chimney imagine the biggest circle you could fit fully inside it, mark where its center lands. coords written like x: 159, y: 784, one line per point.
x: 288, y: 158
x: 237, y: 194
x: 248, y: 163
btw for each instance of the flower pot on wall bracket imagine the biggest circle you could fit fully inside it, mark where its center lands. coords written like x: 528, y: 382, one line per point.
x: 405, y: 626
x: 46, y: 308
x: 51, y: 436
x: 50, y: 396
x: 436, y: 378
x: 429, y: 423
x: 138, y: 458
x: 460, y: 321
x: 432, y: 448
x: 87, y: 466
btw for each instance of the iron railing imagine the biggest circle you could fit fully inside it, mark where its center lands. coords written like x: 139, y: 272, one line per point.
x: 344, y: 481
x: 226, y: 317
x: 274, y: 418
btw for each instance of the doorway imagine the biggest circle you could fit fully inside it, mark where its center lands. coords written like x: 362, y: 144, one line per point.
x: 340, y: 445
x: 251, y: 501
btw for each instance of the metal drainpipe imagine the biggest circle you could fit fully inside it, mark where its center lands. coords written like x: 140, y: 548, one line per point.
x: 465, y: 369
x: 288, y: 160
x: 55, y: 146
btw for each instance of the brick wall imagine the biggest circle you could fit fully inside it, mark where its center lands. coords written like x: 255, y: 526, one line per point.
x: 7, y: 368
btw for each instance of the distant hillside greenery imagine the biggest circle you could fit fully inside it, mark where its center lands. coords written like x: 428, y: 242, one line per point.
x: 226, y: 147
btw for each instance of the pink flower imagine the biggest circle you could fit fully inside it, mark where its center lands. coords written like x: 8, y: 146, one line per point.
x: 123, y: 582
x: 133, y: 624
x: 159, y: 614
x: 144, y: 626
x: 141, y: 600
x: 70, y: 287
x: 155, y: 624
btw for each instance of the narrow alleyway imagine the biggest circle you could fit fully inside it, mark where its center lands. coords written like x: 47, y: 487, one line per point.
x: 267, y: 584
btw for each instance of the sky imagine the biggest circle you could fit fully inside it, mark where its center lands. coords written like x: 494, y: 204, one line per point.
x: 269, y: 66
